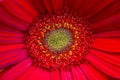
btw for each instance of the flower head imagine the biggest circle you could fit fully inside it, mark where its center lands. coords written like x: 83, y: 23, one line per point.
x: 59, y: 40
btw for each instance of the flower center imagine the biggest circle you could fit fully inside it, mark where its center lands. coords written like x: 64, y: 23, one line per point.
x: 58, y: 40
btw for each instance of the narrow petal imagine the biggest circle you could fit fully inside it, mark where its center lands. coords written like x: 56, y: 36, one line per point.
x: 11, y: 34
x: 12, y: 21
x: 108, y: 34
x: 38, y: 4
x: 92, y: 73
x: 106, y: 9
x: 55, y: 75
x: 66, y: 75
x: 17, y: 70
x: 76, y: 4
x: 15, y: 8
x: 28, y: 7
x: 9, y: 40
x: 57, y: 4
x: 40, y: 74
x: 78, y: 74
x: 68, y: 3
x: 3, y: 71
x: 106, y: 24
x: 96, y: 7
x: 105, y: 67
x: 12, y: 57
x: 111, y: 45
x: 80, y: 6
x: 48, y: 5
x: 11, y: 47
x: 7, y: 28
x: 111, y: 58
x: 26, y: 75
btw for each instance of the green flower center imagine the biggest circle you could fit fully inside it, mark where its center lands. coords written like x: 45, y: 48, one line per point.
x: 58, y: 39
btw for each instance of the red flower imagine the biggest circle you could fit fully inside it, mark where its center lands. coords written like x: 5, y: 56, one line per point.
x: 42, y: 40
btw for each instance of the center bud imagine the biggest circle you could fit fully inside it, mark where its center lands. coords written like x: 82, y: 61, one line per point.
x: 58, y: 40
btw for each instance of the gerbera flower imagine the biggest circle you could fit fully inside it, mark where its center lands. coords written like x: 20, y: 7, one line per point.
x: 59, y: 39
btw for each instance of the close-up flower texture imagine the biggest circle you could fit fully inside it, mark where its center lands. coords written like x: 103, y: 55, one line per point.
x: 59, y: 39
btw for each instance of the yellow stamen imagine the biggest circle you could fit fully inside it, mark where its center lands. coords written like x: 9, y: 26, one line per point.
x: 70, y: 52
x: 47, y: 27
x: 52, y: 56
x: 41, y: 47
x: 42, y: 34
x: 59, y: 24
x: 39, y: 42
x: 58, y: 57
x: 44, y: 30
x: 47, y: 54
x: 44, y: 51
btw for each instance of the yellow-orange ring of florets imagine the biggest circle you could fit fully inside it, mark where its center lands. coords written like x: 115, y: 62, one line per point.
x: 78, y: 49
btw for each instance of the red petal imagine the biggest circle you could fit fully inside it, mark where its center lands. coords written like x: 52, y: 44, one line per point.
x: 92, y: 73
x: 111, y: 45
x: 10, y: 47
x: 16, y: 9
x: 28, y: 7
x: 11, y: 34
x: 111, y: 58
x: 26, y: 75
x: 17, y: 70
x: 106, y: 9
x: 12, y: 21
x: 3, y: 71
x: 57, y: 4
x: 76, y: 6
x: 111, y: 23
x: 38, y: 4
x: 96, y: 7
x: 67, y: 3
x: 48, y: 5
x: 8, y: 28
x: 4, y: 40
x: 104, y: 66
x: 66, y: 75
x: 55, y: 75
x: 109, y: 34
x: 40, y: 74
x: 81, y: 8
x: 78, y: 74
x: 12, y: 57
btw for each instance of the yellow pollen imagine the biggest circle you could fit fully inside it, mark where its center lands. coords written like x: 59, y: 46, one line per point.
x: 41, y: 47
x: 47, y: 54
x: 59, y: 24
x: 70, y: 52
x: 42, y: 34
x: 58, y: 57
x: 52, y: 56
x: 61, y: 55
x: 39, y: 42
x: 76, y: 43
x: 44, y: 51
x: 44, y: 30
x: 76, y: 32
x: 47, y: 27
